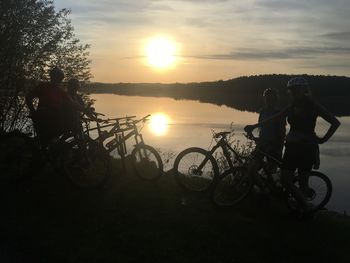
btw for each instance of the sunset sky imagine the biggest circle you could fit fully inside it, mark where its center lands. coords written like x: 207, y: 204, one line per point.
x: 212, y: 40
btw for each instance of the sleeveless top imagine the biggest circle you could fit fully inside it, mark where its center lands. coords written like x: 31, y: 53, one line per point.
x: 272, y: 131
x: 302, y: 117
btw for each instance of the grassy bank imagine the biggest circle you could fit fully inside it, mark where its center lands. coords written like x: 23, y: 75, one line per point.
x: 133, y: 221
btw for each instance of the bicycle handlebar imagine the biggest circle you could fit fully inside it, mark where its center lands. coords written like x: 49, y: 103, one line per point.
x: 142, y: 119
x: 98, y: 114
x: 119, y: 119
x: 221, y: 134
x: 109, y: 119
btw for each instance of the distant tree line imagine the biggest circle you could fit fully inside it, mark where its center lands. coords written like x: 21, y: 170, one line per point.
x: 242, y: 93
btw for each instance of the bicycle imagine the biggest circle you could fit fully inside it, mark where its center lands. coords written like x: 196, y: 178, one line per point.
x: 195, y: 169
x: 146, y: 161
x: 23, y: 155
x: 87, y: 163
x: 224, y: 193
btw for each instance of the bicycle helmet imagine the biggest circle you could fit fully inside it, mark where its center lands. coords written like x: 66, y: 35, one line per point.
x: 297, y: 82
x: 56, y: 74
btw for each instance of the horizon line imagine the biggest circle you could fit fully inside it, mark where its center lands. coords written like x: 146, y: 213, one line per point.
x: 210, y: 81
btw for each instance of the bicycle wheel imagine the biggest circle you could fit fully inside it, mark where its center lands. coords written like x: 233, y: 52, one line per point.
x: 17, y: 156
x: 91, y: 169
x: 232, y: 187
x: 187, y: 172
x: 318, y: 195
x: 146, y: 162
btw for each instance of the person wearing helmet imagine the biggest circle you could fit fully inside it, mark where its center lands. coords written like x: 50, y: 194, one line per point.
x: 271, y: 137
x: 301, y: 147
x: 273, y: 134
x: 52, y: 99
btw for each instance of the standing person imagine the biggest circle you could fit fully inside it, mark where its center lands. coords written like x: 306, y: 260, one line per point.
x: 271, y: 138
x: 52, y: 99
x: 272, y: 134
x: 301, y: 142
x: 77, y: 105
x: 73, y: 87
x: 73, y: 115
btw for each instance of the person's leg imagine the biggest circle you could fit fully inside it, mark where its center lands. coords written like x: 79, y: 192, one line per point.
x: 291, y: 161
x: 254, y: 168
x: 310, y: 153
x: 79, y: 137
x: 42, y: 127
x: 275, y: 151
x: 287, y: 181
x: 304, y: 181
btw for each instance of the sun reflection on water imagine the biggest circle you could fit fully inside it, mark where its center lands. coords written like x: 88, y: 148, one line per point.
x: 159, y: 124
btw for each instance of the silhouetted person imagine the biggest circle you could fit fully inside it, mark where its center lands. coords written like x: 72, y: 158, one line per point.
x: 73, y: 114
x: 73, y: 86
x: 47, y: 117
x: 272, y: 134
x: 301, y: 148
x: 74, y: 111
x: 55, y: 110
x: 78, y: 105
x: 271, y: 138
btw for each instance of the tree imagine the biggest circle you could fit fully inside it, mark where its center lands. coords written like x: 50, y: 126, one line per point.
x: 33, y: 38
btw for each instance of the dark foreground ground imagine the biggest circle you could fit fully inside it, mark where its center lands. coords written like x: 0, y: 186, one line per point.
x: 135, y: 221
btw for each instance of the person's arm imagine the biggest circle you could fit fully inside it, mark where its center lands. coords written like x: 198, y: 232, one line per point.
x: 75, y: 104
x: 277, y: 117
x: 80, y: 106
x: 331, y: 119
x: 283, y: 130
x: 29, y: 99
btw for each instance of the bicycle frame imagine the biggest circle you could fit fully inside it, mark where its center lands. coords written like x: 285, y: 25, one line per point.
x: 118, y: 130
x: 278, y: 162
x: 121, y: 138
x: 226, y: 149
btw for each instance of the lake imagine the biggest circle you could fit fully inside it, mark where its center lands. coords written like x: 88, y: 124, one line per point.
x: 179, y: 124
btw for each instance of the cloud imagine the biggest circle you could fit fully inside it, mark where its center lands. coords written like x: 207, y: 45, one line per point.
x: 344, y: 36
x: 313, y: 32
x: 285, y: 53
x: 333, y: 66
x: 285, y: 5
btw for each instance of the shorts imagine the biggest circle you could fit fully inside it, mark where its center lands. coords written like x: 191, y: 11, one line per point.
x: 301, y: 156
x: 273, y: 148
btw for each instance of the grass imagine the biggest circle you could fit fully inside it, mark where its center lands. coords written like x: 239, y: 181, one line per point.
x: 131, y: 220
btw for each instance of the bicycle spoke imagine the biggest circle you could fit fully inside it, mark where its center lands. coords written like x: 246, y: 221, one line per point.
x: 191, y: 171
x: 146, y: 162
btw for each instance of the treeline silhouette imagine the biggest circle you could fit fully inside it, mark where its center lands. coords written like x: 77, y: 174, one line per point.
x: 242, y: 93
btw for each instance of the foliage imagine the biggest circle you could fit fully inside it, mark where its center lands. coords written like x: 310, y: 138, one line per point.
x: 168, y: 158
x: 243, y: 149
x: 33, y: 38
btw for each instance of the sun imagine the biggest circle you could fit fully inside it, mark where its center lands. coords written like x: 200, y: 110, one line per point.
x: 161, y: 52
x: 159, y: 124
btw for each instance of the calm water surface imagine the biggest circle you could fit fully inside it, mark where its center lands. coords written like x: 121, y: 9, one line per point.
x: 179, y: 124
